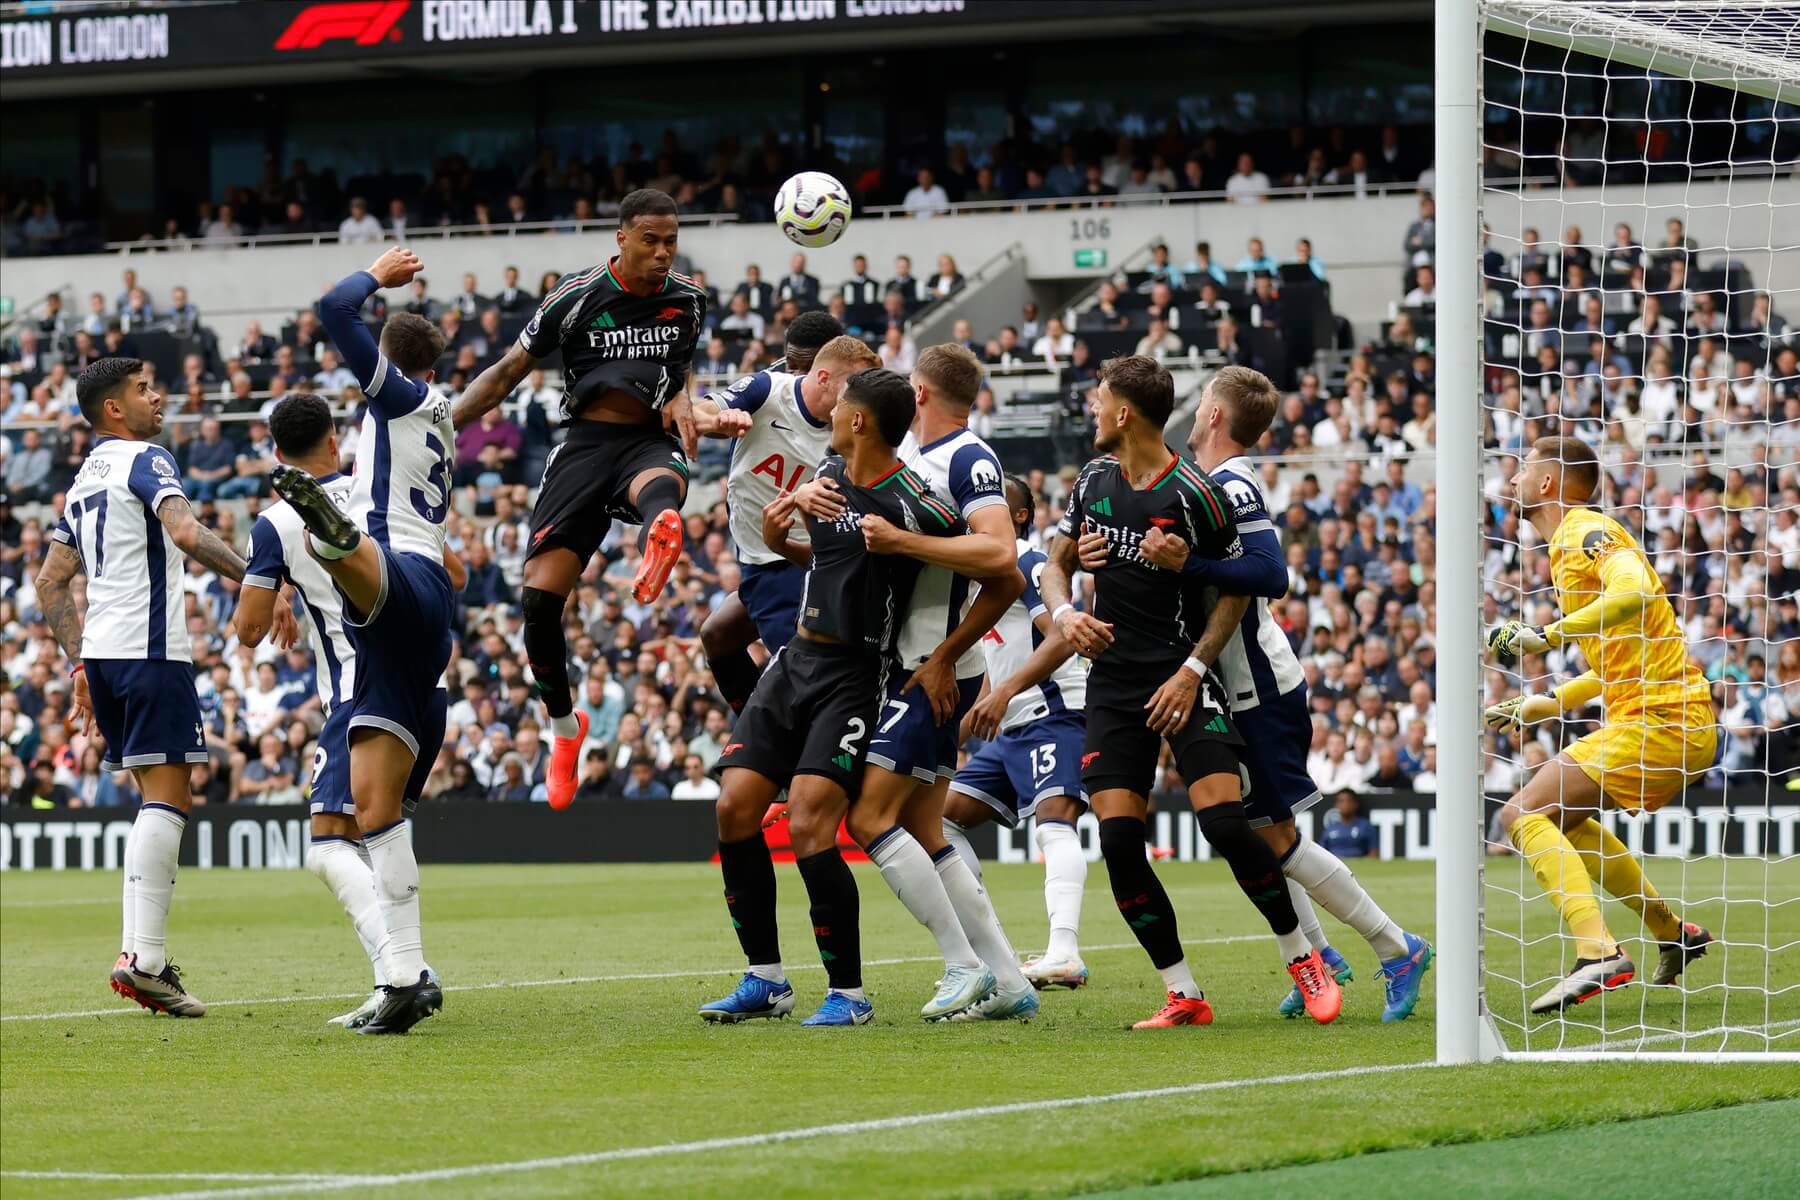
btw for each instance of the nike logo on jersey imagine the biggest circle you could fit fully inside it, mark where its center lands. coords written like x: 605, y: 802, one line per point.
x: 783, y: 428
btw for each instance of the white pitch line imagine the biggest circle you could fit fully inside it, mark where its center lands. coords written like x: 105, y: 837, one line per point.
x: 186, y: 1176
x: 564, y: 980
x: 773, y: 1137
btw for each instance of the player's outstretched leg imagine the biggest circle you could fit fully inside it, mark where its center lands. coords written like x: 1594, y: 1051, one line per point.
x: 380, y: 767
x: 658, y: 496
x: 1013, y: 996
x: 143, y: 972
x: 1611, y: 864
x: 1315, y: 872
x: 1561, y: 793
x: 749, y: 874
x: 1145, y: 906
x: 353, y: 561
x: 908, y: 870
x: 1226, y: 827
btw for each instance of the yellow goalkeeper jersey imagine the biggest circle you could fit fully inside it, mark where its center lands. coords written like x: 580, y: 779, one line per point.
x: 1643, y: 662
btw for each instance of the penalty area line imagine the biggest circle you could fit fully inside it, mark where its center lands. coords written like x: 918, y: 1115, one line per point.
x: 566, y: 980
x: 773, y: 1137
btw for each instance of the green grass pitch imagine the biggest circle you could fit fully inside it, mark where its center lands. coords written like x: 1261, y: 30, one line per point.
x: 568, y: 1060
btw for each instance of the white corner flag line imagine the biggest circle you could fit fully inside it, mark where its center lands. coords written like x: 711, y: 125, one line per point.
x: 288, y: 1185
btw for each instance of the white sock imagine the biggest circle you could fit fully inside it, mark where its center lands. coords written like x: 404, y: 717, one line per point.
x: 1309, y: 916
x: 1293, y: 945
x: 396, y: 874
x: 957, y: 836
x: 908, y: 871
x: 348, y: 876
x: 1180, y: 980
x: 128, y: 868
x: 157, y: 833
x: 327, y: 551
x: 1329, y: 881
x: 975, y: 913
x: 854, y: 993
x: 772, y: 972
x: 565, y: 726
x: 1065, y: 879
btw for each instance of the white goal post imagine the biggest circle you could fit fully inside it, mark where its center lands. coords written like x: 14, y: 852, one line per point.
x: 1744, y: 207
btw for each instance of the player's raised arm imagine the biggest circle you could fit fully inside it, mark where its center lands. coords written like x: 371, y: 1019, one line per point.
x: 340, y: 311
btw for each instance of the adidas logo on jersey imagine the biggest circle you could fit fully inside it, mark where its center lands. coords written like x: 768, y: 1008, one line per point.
x: 1216, y: 725
x: 1103, y: 506
x: 603, y: 321
x: 843, y: 761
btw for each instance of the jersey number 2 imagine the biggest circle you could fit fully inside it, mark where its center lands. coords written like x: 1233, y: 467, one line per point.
x: 434, y: 511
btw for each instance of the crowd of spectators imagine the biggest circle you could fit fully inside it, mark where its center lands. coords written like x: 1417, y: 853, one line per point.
x: 739, y: 180
x: 1712, y: 491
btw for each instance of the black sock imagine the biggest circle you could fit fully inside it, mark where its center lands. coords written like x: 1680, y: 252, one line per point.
x: 736, y: 675
x: 1140, y: 895
x: 1257, y: 869
x: 665, y: 491
x: 750, y: 897
x: 546, y: 650
x: 836, y: 912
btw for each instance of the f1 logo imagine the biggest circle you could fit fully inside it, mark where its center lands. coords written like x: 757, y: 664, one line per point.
x: 365, y: 22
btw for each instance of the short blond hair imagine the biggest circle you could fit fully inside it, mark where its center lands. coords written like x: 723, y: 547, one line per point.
x: 852, y: 352
x: 951, y: 369
x: 1250, y: 401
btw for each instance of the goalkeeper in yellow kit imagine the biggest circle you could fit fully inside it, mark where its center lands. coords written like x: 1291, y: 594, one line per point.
x: 1661, y: 731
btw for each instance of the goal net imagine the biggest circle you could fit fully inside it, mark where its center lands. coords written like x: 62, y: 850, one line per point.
x: 1639, y: 270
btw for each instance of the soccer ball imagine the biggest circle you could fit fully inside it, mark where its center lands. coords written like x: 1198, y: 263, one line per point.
x: 813, y: 209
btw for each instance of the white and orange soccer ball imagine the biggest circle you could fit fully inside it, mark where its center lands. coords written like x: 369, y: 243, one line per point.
x: 813, y: 209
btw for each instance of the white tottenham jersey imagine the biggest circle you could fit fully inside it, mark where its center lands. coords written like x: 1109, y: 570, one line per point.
x: 401, y: 491
x: 1015, y: 638
x: 278, y: 552
x: 959, y: 466
x: 1258, y: 663
x: 134, y: 568
x: 785, y: 445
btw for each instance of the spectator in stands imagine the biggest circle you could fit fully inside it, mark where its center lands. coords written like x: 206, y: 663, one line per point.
x: 360, y: 226
x: 1256, y: 260
x: 694, y: 785
x: 28, y: 468
x: 253, y: 463
x: 715, y: 360
x: 333, y: 376
x: 138, y: 313
x: 759, y: 295
x: 1159, y: 341
x: 1304, y: 256
x: 1005, y: 350
x: 861, y: 292
x: 1105, y: 314
x: 211, y: 459
x: 1056, y: 343
x: 183, y: 316
x: 254, y: 345
x: 1247, y: 185
x: 495, y: 432
x: 1424, y: 292
x: 468, y: 302
x: 1138, y: 181
x: 1420, y: 243
x: 1212, y: 303
x: 1357, y: 175
x: 947, y: 280
x: 1161, y: 270
x: 419, y: 302
x: 801, y: 288
x: 512, y: 300
x: 1265, y: 303
x: 926, y: 197
x: 41, y: 230
x: 897, y: 352
x: 910, y: 290
x: 1346, y: 832
x: 518, y: 212
x: 741, y: 320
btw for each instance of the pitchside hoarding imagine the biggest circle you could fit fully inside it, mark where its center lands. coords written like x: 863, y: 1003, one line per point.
x: 249, y: 837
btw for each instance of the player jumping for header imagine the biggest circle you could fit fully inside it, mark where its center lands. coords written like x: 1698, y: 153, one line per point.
x: 626, y: 331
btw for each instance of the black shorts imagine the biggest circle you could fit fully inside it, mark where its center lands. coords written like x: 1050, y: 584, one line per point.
x: 811, y: 714
x: 587, y: 483
x: 1121, y: 749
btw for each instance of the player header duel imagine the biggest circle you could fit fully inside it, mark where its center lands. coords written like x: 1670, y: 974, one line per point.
x: 1661, y: 732
x: 626, y: 330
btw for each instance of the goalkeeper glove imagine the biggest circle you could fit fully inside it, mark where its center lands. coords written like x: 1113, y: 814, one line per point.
x: 1512, y: 639
x: 1515, y: 714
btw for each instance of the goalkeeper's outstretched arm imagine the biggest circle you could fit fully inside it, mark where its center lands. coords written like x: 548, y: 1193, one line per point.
x: 1626, y: 586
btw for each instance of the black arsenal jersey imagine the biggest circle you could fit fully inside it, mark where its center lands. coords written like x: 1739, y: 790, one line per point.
x: 859, y: 598
x: 612, y: 339
x: 1157, y: 615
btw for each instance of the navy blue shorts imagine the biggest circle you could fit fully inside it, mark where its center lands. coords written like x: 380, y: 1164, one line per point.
x: 330, y: 792
x: 908, y: 740
x: 770, y: 593
x: 402, y: 648
x: 1277, y: 736
x: 148, y: 712
x: 1024, y: 766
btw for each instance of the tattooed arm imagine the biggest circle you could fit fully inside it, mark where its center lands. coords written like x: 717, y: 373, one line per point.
x: 197, y: 541
x: 57, y: 602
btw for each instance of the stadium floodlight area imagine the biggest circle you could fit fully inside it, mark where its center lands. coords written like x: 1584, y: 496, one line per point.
x: 1661, y: 112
